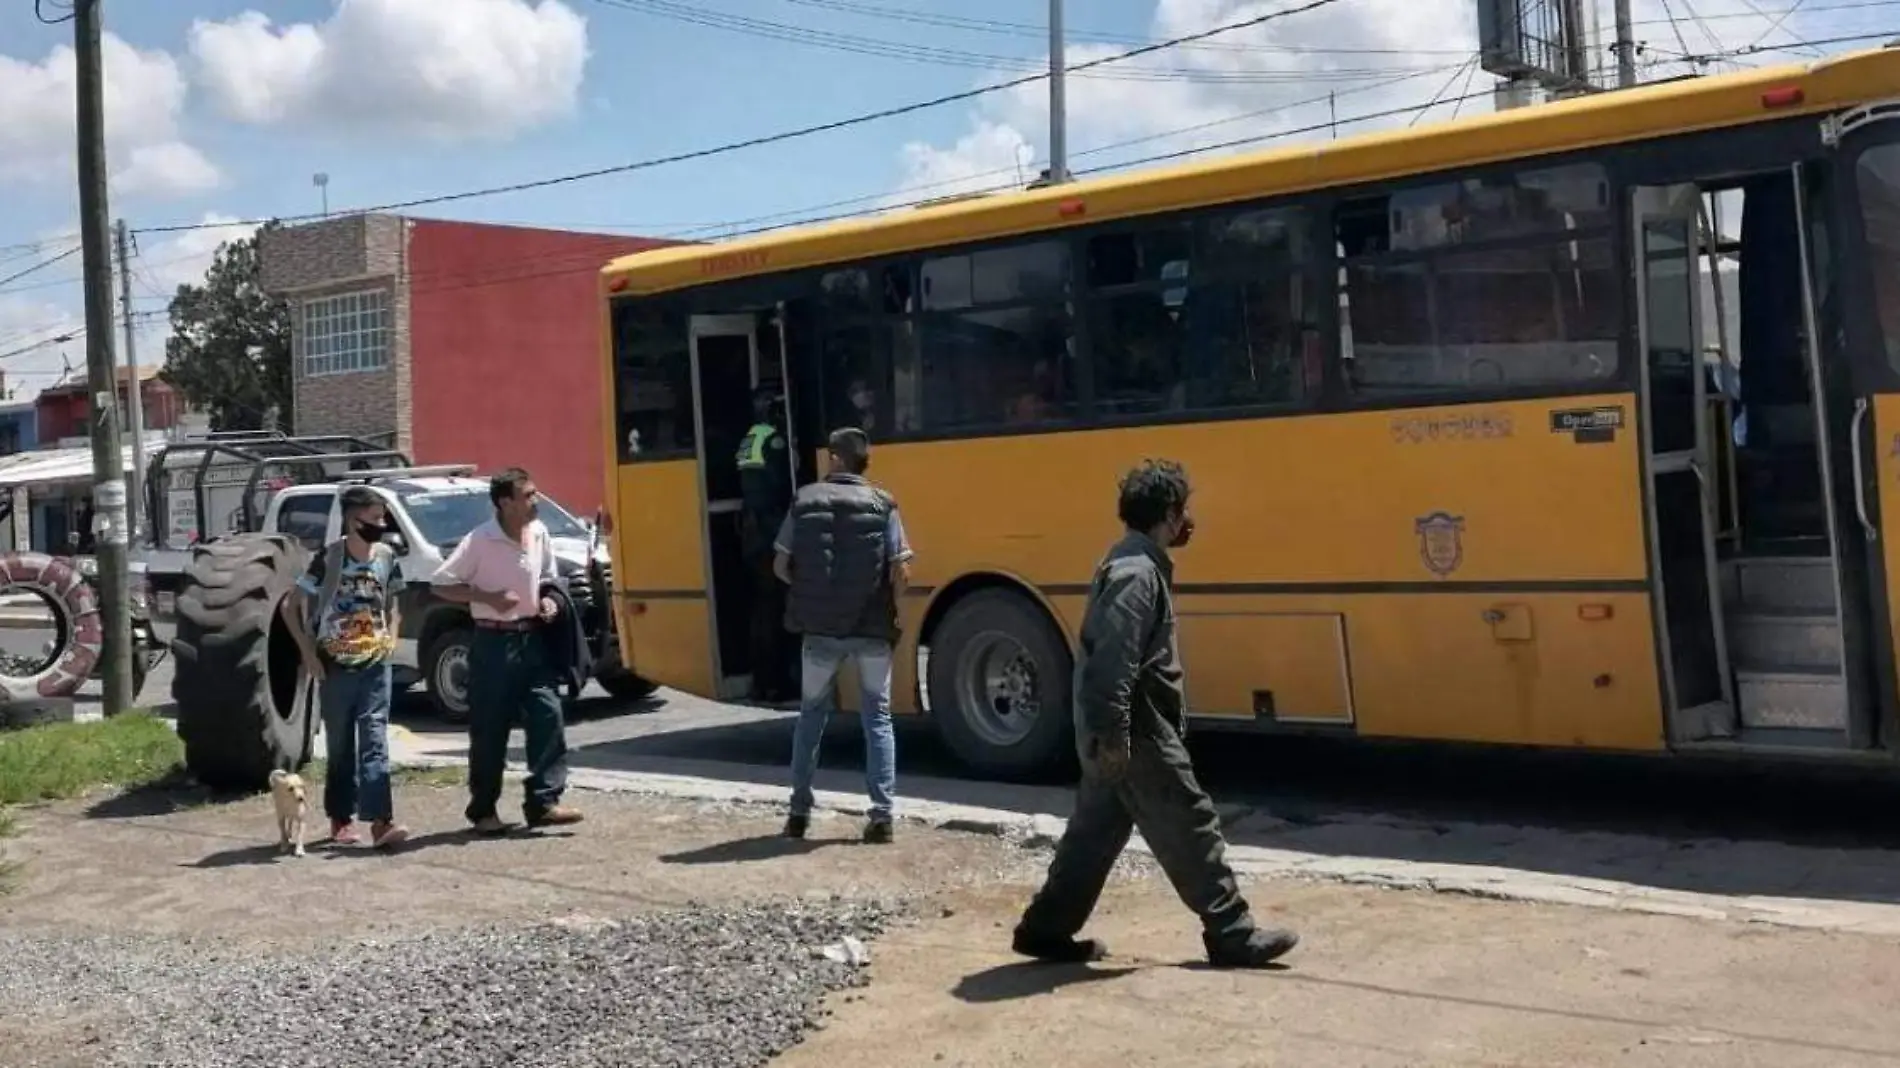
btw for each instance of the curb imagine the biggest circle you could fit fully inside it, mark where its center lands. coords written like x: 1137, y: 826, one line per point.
x: 1041, y: 830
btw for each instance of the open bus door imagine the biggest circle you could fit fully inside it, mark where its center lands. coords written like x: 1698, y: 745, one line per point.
x: 725, y: 361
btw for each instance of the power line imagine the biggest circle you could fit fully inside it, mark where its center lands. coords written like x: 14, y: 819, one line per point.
x: 785, y: 135
x: 45, y: 263
x: 39, y: 12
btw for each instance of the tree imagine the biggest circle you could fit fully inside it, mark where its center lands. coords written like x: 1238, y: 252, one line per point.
x: 229, y: 352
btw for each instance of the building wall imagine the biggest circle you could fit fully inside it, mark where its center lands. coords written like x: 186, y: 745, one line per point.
x: 343, y: 255
x: 66, y: 413
x: 506, y: 351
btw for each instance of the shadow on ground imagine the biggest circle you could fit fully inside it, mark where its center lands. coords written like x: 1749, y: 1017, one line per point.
x: 1675, y: 825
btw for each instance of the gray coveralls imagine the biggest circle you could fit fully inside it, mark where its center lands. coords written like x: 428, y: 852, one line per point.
x: 1128, y: 677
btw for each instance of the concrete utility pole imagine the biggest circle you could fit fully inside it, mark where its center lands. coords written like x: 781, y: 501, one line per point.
x: 135, y: 389
x: 1058, y: 99
x: 1625, y: 47
x: 108, y: 460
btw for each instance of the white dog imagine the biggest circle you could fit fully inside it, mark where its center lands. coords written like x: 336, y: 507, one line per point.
x: 287, y: 793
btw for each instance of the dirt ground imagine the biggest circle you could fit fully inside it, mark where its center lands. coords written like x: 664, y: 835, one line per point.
x: 1384, y: 977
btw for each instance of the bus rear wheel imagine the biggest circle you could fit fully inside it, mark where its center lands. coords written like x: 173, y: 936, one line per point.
x: 999, y: 686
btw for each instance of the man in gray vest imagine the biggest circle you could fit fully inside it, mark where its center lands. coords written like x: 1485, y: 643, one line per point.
x: 345, y: 625
x: 1130, y: 714
x: 842, y: 551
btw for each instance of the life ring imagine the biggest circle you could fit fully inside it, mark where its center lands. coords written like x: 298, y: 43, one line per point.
x: 79, y: 630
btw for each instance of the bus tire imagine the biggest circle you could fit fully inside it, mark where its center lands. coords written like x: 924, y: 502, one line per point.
x: 624, y: 685
x: 244, y: 703
x: 999, y: 686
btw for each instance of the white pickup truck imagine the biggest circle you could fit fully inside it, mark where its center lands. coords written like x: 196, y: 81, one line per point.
x: 243, y: 703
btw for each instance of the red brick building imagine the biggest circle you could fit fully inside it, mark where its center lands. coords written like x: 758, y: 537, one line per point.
x: 460, y: 342
x: 64, y: 410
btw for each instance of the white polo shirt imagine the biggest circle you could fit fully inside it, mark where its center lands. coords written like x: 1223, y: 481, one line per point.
x: 491, y: 561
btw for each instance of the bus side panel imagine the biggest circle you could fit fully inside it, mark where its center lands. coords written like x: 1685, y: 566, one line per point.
x: 1490, y: 573
x: 1886, y: 445
x: 659, y: 574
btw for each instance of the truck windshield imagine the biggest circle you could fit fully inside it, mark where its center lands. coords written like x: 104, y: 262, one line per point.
x: 444, y: 516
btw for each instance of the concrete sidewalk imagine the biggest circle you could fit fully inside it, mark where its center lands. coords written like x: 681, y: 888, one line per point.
x: 1030, y: 815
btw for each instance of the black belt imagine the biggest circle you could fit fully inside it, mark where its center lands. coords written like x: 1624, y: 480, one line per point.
x: 512, y: 626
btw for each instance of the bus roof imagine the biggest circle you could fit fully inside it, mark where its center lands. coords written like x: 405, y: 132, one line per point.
x: 1680, y: 106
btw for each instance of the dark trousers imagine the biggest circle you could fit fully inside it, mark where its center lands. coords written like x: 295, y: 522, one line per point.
x: 773, y: 652
x: 1160, y: 796
x: 510, y: 680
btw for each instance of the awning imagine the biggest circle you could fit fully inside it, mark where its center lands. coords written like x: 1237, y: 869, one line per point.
x: 39, y: 466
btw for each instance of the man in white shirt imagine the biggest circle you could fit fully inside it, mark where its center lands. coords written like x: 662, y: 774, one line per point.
x: 498, y: 571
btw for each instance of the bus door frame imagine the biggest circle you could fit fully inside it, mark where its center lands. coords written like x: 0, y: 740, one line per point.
x: 1681, y: 204
x: 1869, y: 614
x: 742, y: 324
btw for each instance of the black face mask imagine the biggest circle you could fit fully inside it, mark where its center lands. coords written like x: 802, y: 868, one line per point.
x: 1182, y: 536
x: 369, y: 531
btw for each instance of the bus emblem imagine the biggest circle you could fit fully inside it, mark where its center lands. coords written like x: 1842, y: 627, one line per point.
x: 1441, y: 542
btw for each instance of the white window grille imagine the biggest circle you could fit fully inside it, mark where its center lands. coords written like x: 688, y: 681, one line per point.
x: 346, y: 333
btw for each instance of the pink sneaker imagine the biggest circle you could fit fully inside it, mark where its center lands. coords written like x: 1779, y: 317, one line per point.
x: 343, y: 832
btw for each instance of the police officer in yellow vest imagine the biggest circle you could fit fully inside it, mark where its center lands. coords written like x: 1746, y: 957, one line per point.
x: 765, y: 485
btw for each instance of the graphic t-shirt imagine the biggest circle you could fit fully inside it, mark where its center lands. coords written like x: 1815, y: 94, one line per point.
x: 353, y: 629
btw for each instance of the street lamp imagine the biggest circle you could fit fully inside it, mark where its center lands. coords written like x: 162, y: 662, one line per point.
x: 322, y: 182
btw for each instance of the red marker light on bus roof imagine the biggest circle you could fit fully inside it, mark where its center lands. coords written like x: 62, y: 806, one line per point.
x: 616, y: 285
x: 1785, y: 96
x: 1069, y: 209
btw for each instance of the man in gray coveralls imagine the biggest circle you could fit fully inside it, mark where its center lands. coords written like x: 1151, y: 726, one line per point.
x: 1130, y: 713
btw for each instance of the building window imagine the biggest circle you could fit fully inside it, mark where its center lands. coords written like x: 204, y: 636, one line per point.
x: 346, y: 333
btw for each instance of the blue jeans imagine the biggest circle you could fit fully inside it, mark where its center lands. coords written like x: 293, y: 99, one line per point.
x: 356, y: 724
x: 823, y: 657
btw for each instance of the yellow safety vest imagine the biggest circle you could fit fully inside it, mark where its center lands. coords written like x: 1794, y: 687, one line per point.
x: 752, y: 446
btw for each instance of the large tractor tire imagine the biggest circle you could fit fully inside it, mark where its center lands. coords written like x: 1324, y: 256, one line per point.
x: 244, y: 704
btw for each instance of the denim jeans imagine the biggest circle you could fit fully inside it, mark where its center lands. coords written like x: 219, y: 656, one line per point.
x: 355, y: 704
x: 823, y: 657
x: 510, y: 681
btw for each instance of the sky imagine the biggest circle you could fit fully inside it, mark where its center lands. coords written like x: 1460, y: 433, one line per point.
x: 221, y: 112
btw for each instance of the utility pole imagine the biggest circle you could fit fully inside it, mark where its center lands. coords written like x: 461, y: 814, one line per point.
x: 1625, y: 47
x: 1058, y: 99
x: 108, y: 460
x: 135, y: 386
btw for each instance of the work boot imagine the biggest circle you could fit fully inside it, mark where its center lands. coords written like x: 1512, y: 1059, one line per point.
x: 555, y: 816
x: 796, y: 826
x: 1257, y: 949
x: 1053, y: 950
x: 879, y: 832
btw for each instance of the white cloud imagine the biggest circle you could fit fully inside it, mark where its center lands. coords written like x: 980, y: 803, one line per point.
x: 1289, y: 75
x: 183, y: 258
x: 144, y: 97
x: 449, y: 69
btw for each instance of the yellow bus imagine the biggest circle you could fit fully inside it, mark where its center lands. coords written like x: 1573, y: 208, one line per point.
x: 1570, y: 426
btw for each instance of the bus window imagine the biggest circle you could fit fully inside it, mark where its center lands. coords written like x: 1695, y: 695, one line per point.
x: 853, y: 339
x: 1877, y: 175
x: 1202, y: 317
x: 652, y: 381
x: 1502, y: 282
x: 994, y: 344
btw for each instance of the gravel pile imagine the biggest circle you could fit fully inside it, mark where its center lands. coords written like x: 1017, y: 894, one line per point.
x: 701, y: 987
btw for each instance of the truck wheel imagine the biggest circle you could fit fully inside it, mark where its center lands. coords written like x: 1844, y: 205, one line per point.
x: 623, y: 685
x: 79, y: 631
x: 445, y: 666
x: 999, y: 686
x: 244, y: 704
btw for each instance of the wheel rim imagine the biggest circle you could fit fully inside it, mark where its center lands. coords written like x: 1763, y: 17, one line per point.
x: 451, y: 677
x: 998, y: 690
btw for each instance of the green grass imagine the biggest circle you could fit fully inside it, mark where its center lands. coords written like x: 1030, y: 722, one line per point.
x: 63, y: 760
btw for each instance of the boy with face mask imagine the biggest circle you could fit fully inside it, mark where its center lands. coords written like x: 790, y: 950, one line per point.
x: 345, y: 625
x: 1130, y: 717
